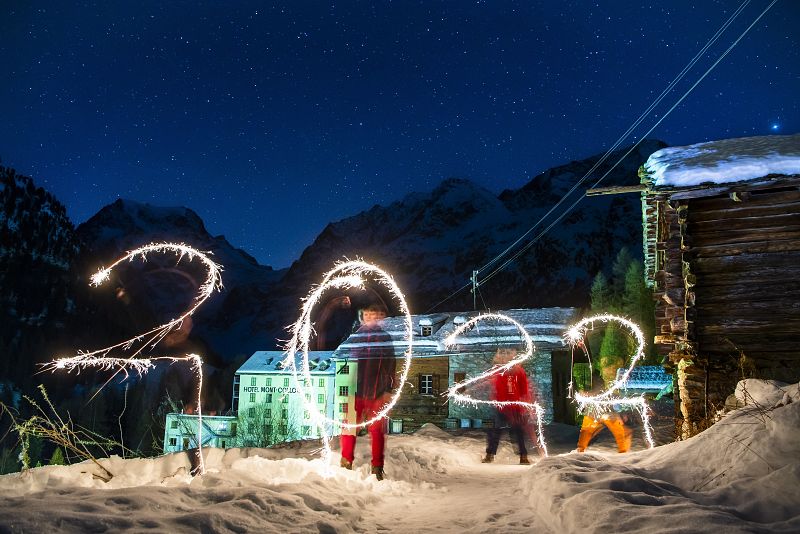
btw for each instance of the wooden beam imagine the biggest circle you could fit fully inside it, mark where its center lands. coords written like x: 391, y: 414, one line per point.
x: 616, y: 190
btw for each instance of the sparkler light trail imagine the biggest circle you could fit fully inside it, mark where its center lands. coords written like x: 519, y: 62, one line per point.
x: 349, y: 274
x: 102, y: 359
x: 533, y: 407
x: 605, y: 401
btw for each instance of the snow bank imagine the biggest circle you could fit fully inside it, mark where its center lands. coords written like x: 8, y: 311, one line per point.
x: 725, y: 161
x: 742, y: 474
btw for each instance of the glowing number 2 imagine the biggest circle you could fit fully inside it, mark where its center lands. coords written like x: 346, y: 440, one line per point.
x: 603, y: 401
x: 533, y: 407
x: 101, y: 358
x: 344, y: 275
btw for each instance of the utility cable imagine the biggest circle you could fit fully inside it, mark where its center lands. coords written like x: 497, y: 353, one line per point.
x: 624, y: 136
x: 633, y: 147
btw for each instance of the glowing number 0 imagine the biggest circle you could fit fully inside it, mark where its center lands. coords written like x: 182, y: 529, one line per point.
x: 533, y: 407
x: 344, y: 275
x: 603, y: 401
x: 101, y: 359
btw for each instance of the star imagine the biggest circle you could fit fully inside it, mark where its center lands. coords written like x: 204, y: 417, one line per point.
x: 775, y: 127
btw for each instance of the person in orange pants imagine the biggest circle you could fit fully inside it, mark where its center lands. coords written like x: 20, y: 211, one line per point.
x: 592, y: 426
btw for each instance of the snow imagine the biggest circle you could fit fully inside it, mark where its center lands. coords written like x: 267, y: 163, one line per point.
x: 743, y: 475
x: 726, y: 161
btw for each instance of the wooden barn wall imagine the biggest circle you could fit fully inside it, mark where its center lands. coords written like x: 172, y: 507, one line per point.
x: 668, y: 284
x: 742, y: 268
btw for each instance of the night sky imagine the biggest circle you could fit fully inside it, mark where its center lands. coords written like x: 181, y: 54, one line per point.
x: 271, y: 119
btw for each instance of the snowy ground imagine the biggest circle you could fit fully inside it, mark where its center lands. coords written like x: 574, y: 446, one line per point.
x: 742, y: 475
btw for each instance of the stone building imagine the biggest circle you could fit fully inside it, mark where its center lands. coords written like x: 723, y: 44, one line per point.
x: 434, y: 367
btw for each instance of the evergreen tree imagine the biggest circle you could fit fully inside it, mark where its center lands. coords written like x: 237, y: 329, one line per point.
x: 58, y: 457
x: 614, y: 352
x: 618, y: 271
x: 600, y: 293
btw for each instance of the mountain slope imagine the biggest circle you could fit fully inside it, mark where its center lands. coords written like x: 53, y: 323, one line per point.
x: 432, y: 242
x: 37, y: 250
x: 225, y: 321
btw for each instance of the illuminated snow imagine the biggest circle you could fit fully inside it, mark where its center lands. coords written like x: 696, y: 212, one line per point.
x: 726, y: 161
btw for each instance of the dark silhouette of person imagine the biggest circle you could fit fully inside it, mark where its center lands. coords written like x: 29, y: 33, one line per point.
x: 376, y: 365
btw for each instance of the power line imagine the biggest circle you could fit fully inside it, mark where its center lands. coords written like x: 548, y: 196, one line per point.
x: 621, y: 139
x: 476, y: 284
x: 633, y: 147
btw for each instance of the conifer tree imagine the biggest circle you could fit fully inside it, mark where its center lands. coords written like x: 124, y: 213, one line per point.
x: 58, y: 457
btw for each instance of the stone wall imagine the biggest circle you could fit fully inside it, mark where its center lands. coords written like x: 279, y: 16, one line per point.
x: 539, y: 374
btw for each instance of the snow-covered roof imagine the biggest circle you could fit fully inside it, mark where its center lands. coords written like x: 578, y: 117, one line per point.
x: 546, y: 327
x: 269, y: 361
x: 725, y: 161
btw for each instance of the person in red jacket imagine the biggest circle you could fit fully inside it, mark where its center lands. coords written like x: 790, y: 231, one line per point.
x: 509, y: 386
x: 376, y: 372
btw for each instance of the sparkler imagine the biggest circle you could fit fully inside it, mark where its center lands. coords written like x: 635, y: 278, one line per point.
x: 606, y: 400
x: 100, y: 358
x: 533, y: 407
x: 350, y: 274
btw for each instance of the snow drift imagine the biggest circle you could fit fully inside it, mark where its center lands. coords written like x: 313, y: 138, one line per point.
x: 742, y: 475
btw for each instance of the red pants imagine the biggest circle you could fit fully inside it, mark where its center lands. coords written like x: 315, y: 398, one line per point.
x: 367, y: 409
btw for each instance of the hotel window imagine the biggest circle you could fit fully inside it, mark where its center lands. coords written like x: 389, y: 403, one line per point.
x: 252, y: 381
x: 306, y: 430
x: 285, y: 399
x: 306, y: 415
x: 344, y: 370
x: 269, y: 398
x: 268, y: 429
x: 282, y: 429
x: 269, y: 380
x: 320, y: 399
x: 308, y: 397
x: 426, y: 384
x: 284, y: 413
x: 286, y: 382
x: 252, y: 397
x: 173, y: 442
x: 251, y: 412
x: 185, y: 443
x: 343, y: 407
x: 173, y: 424
x: 233, y: 428
x: 322, y: 382
x: 344, y: 391
x: 268, y: 413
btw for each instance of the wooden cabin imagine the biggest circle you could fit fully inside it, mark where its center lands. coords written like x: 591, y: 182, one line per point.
x: 722, y: 253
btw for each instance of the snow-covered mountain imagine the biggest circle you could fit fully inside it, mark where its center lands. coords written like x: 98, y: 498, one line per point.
x: 432, y: 242
x: 226, y: 321
x: 37, y: 250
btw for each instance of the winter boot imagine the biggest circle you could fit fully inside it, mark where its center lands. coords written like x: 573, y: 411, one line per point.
x: 523, y: 459
x: 347, y: 464
x: 489, y: 458
x: 377, y: 470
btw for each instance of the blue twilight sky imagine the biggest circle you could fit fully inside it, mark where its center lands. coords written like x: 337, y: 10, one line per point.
x: 271, y: 119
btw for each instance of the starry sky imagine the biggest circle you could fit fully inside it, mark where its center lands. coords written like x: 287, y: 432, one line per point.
x: 271, y: 119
